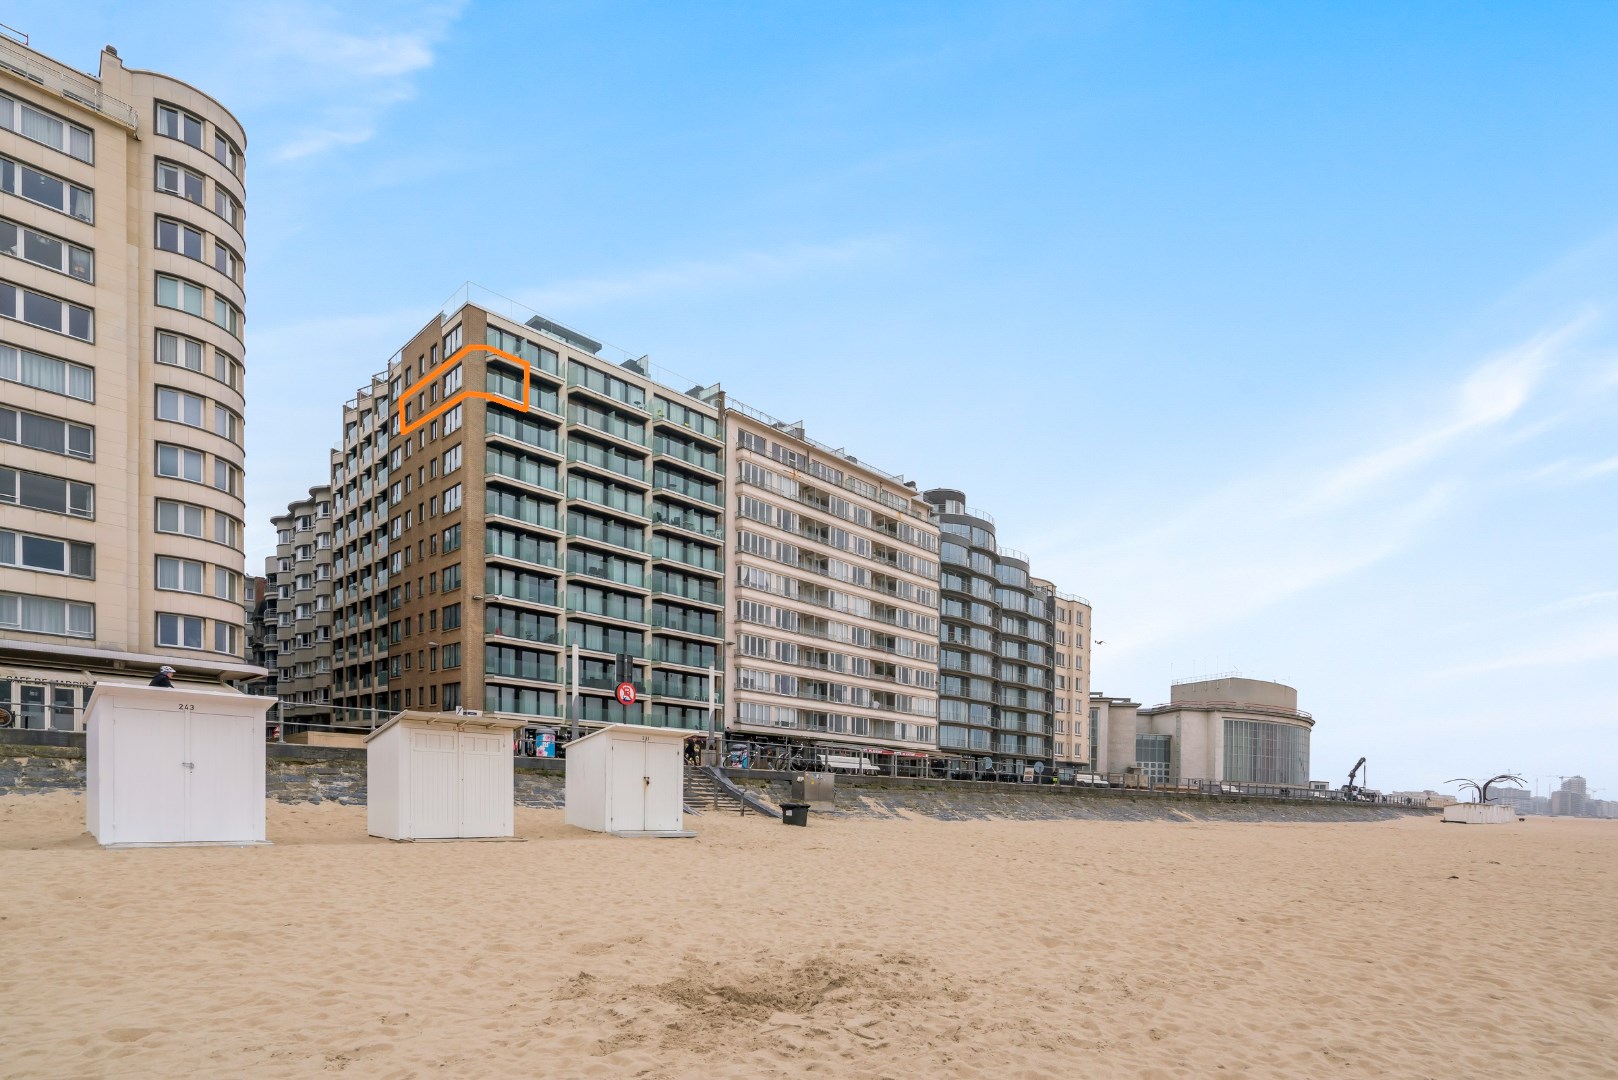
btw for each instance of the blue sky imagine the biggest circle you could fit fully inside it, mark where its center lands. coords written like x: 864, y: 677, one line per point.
x: 1284, y: 333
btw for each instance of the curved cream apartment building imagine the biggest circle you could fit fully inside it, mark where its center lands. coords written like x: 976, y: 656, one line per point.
x: 121, y: 382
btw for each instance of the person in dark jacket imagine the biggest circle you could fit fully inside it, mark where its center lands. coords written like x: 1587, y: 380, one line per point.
x: 162, y: 677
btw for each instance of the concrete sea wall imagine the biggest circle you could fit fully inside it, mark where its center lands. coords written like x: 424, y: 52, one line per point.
x: 33, y: 762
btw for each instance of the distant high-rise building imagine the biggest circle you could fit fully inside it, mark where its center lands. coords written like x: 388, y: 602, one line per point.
x: 121, y: 382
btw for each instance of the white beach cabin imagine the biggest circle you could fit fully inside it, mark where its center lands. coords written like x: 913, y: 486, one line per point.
x: 628, y: 780
x: 440, y: 776
x: 174, y: 765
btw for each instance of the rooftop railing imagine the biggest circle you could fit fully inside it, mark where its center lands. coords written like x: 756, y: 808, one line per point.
x: 80, y: 89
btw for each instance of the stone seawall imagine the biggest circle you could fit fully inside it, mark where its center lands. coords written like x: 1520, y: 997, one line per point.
x: 34, y: 762
x: 897, y: 797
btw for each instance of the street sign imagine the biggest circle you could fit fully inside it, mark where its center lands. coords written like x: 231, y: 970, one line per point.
x: 626, y: 693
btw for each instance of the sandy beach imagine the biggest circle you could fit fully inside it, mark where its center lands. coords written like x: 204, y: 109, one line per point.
x: 851, y: 949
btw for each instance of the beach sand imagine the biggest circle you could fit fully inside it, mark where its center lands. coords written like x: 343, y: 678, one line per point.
x: 852, y: 948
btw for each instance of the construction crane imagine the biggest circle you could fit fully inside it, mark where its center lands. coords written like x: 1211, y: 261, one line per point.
x: 1349, y: 789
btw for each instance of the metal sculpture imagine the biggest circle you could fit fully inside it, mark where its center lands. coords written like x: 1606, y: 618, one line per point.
x: 1483, y: 788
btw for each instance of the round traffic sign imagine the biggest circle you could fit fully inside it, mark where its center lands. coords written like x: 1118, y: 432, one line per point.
x: 626, y: 693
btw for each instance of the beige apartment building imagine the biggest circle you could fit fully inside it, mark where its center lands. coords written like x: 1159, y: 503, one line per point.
x: 121, y: 381
x: 835, y: 639
x: 296, y: 616
x: 1071, y: 704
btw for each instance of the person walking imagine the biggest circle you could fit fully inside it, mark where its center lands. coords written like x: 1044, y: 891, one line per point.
x: 162, y: 677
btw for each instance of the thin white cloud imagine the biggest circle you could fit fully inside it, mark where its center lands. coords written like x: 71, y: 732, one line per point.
x: 1258, y: 541
x: 1493, y: 393
x: 1568, y: 471
x: 1583, y: 600
x: 340, y: 70
x: 741, y: 269
x: 1583, y: 645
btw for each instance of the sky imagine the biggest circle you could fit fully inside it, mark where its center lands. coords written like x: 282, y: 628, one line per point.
x: 1285, y: 333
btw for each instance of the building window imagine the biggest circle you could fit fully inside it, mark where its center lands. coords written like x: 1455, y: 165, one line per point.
x: 38, y: 615
x: 179, y: 631
x: 179, y: 462
x: 227, y: 638
x: 47, y: 373
x: 180, y: 407
x: 227, y: 477
x: 227, y: 424
x: 177, y: 180
x: 47, y: 190
x: 180, y: 238
x: 47, y: 128
x: 227, y: 530
x: 226, y: 262
x: 183, y: 519
x: 179, y: 575
x: 36, y: 491
x: 179, y: 294
x: 179, y: 351
x: 227, y: 584
x: 47, y: 554
x: 225, y: 152
x: 47, y: 433
x: 226, y: 206
x: 178, y: 124
x: 43, y: 249
x: 226, y: 316
x: 46, y: 312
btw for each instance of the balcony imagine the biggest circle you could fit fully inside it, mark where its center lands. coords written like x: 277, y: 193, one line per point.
x: 688, y: 522
x: 701, y: 593
x: 665, y: 620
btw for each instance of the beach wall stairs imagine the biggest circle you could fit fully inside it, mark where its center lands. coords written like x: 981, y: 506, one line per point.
x: 706, y: 788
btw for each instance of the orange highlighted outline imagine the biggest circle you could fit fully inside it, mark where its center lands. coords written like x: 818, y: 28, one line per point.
x: 405, y: 428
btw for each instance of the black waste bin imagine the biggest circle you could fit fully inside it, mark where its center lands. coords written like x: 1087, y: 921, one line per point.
x: 795, y: 813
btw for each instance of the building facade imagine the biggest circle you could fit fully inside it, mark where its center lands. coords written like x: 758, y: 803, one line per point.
x: 997, y: 632
x: 295, y: 620
x: 501, y: 493
x: 359, y: 560
x: 1227, y: 729
x: 122, y: 302
x: 836, y: 606
x: 1071, y: 657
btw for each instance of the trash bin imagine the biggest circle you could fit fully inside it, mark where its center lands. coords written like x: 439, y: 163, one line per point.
x: 795, y: 813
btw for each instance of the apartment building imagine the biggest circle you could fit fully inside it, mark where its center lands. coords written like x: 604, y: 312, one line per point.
x: 121, y: 378
x: 1071, y: 696
x: 503, y: 492
x: 997, y: 659
x: 359, y: 558
x: 836, y: 614
x: 295, y: 620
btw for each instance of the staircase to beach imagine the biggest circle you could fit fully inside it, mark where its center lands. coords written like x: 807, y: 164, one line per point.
x: 705, y: 789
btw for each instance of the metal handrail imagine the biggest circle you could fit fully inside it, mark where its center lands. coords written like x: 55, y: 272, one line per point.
x: 77, y: 88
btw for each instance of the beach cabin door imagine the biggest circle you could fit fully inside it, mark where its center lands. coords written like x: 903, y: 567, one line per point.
x: 190, y: 768
x: 627, y: 802
x: 665, y: 788
x: 435, y: 788
x: 486, y: 795
x: 647, y: 785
